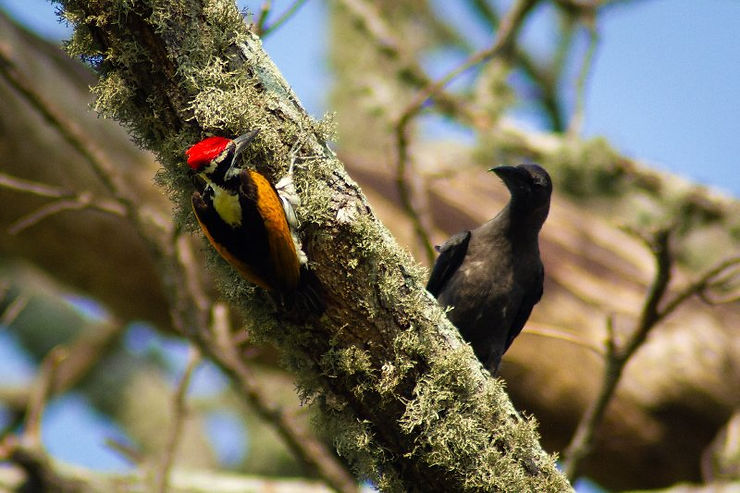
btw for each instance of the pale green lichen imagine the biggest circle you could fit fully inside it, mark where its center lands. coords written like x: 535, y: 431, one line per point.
x: 445, y: 406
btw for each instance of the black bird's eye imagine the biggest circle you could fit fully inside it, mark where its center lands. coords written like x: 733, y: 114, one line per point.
x: 539, y: 182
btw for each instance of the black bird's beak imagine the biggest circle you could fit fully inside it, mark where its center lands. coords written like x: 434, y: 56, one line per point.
x: 243, y: 141
x: 510, y: 175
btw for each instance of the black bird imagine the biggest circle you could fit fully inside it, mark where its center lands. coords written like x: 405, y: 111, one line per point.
x: 492, y: 276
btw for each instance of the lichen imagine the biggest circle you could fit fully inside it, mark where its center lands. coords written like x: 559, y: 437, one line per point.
x: 384, y: 357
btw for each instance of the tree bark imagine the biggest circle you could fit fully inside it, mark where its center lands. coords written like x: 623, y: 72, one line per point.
x: 409, y: 404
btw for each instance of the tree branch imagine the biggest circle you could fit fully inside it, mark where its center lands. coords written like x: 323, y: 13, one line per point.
x: 406, y: 399
x: 189, y: 304
x: 505, y: 36
x: 618, y: 355
x: 283, y: 18
x: 179, y: 410
x: 217, y: 342
x: 66, y: 201
x: 105, y: 169
x: 576, y: 122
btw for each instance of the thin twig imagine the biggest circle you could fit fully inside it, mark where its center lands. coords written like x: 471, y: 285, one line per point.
x: 548, y: 77
x: 554, y: 332
x: 699, y: 287
x: 48, y: 210
x: 69, y: 129
x: 404, y: 192
x: 586, y: 6
x: 262, y: 17
x: 582, y: 442
x: 547, y: 82
x: 33, y: 187
x: 659, y: 244
x: 68, y: 200
x: 86, y: 351
x: 283, y: 18
x: 13, y: 310
x: 704, y: 296
x: 126, y: 451
x: 222, y: 351
x: 82, y: 201
x: 485, y: 11
x: 178, y: 420
x: 618, y: 355
x: 40, y: 392
x: 505, y: 35
x: 189, y: 264
x: 576, y: 122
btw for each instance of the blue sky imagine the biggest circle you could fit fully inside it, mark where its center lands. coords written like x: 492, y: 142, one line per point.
x: 663, y: 89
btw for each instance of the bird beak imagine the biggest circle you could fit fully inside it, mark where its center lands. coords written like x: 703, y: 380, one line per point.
x: 243, y: 141
x: 510, y: 175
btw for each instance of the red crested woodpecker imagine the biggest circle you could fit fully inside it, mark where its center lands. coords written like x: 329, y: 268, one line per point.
x: 249, y: 222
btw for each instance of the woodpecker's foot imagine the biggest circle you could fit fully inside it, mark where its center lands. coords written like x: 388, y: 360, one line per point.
x: 290, y: 200
x: 286, y: 187
x: 199, y: 203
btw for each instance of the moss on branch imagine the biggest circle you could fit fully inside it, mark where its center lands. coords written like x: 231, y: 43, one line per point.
x: 409, y: 404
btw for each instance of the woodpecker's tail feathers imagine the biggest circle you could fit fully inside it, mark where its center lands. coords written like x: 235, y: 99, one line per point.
x: 306, y: 299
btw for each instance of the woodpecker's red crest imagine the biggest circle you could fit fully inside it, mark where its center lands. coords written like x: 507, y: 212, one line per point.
x: 243, y: 216
x: 206, y: 151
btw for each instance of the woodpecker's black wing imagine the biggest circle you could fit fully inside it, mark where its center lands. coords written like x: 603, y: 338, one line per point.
x: 244, y: 246
x: 525, y: 308
x: 451, y: 256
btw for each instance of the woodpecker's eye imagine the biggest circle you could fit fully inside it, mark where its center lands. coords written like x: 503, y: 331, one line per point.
x: 208, y: 193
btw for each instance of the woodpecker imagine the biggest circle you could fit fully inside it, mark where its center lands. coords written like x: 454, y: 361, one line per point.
x: 249, y: 222
x: 492, y: 276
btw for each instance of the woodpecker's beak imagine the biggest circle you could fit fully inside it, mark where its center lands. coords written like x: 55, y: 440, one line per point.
x: 512, y: 176
x: 243, y: 141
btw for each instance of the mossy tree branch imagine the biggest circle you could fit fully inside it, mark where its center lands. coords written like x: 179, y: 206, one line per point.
x: 409, y: 404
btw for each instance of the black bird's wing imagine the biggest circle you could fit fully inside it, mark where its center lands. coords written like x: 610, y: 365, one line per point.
x: 451, y: 256
x: 525, y: 309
